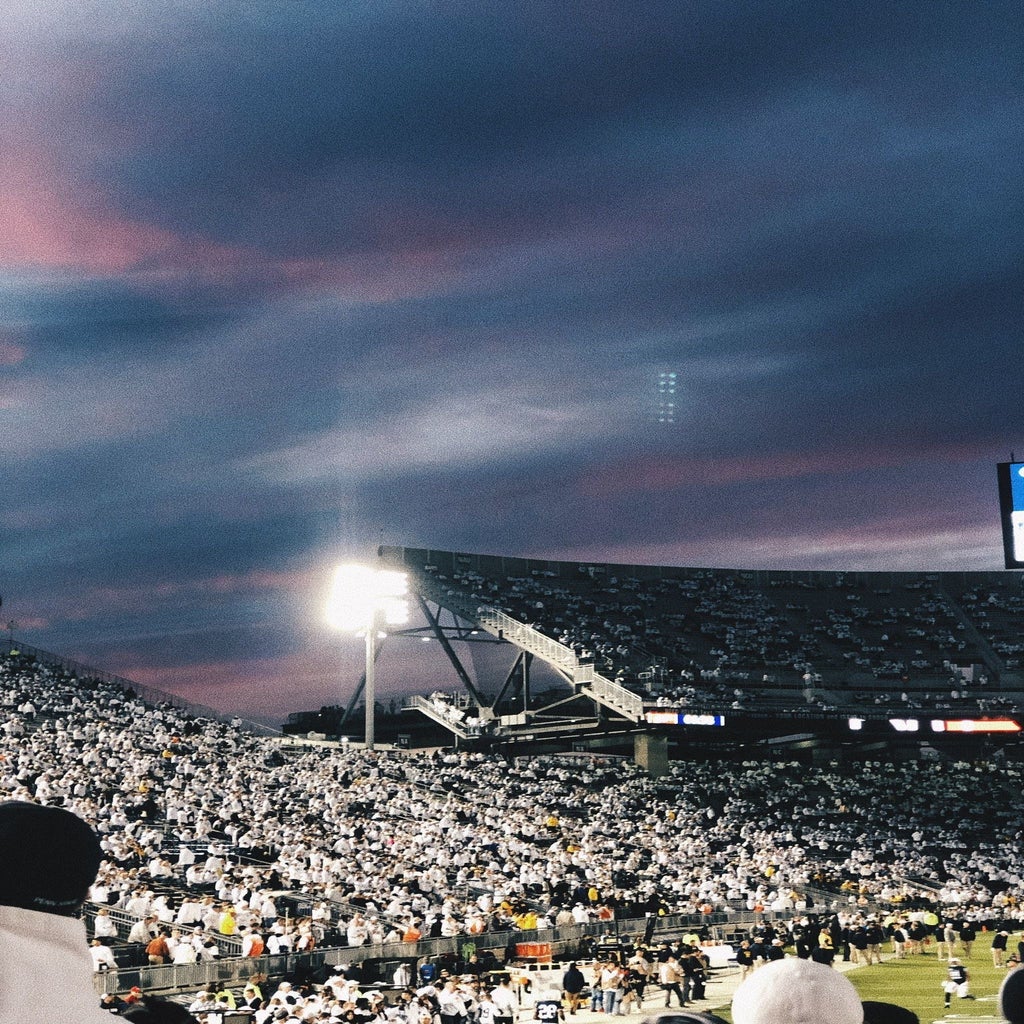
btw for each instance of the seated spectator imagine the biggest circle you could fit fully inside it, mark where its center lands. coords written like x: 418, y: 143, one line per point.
x: 153, y: 1010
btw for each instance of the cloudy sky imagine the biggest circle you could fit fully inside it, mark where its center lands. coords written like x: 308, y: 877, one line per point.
x: 279, y: 281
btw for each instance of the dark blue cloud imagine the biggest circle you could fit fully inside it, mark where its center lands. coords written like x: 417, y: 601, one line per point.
x: 288, y: 276
x: 302, y: 132
x: 104, y: 318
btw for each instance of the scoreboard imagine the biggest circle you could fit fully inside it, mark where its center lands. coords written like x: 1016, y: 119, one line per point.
x: 1011, y: 509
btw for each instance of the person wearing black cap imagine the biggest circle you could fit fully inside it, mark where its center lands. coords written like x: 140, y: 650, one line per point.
x: 48, y: 859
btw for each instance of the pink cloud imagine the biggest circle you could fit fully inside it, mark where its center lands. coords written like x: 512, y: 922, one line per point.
x: 150, y: 595
x: 891, y: 543
x: 43, y: 223
x: 24, y: 622
x: 11, y: 353
x: 48, y: 222
x: 655, y: 473
x: 261, y: 689
x: 274, y: 687
x: 373, y: 278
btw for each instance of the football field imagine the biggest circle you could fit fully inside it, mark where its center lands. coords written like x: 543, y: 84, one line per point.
x: 915, y: 983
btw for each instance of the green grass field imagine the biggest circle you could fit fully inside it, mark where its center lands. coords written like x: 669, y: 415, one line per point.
x: 916, y: 983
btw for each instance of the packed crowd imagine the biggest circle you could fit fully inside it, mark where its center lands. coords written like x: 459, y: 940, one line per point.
x: 452, y: 843
x: 746, y: 637
x: 49, y: 858
x: 202, y: 827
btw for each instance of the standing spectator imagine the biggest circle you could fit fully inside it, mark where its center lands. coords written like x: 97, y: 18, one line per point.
x: 142, y: 931
x: 226, y: 923
x: 695, y: 966
x: 184, y: 953
x: 947, y: 943
x: 104, y: 928
x: 157, y: 949
x: 450, y: 1004
x: 875, y: 936
x: 102, y: 957
x: 573, y: 984
x: 611, y: 986
x: 596, y: 999
x: 744, y: 960
x: 669, y: 976
x: 48, y: 860
x: 899, y: 941
x: 824, y: 952
x: 967, y: 936
x: 505, y: 1001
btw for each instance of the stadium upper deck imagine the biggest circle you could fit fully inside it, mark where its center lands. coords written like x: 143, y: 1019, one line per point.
x: 753, y: 642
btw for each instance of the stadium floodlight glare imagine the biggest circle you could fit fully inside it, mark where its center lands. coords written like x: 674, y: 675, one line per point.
x: 363, y: 597
x: 363, y: 601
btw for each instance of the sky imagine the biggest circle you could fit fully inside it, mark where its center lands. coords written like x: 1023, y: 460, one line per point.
x: 282, y: 281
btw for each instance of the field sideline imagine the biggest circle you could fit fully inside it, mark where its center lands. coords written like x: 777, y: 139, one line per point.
x: 914, y: 983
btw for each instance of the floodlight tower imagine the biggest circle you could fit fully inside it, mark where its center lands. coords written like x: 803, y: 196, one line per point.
x: 363, y: 601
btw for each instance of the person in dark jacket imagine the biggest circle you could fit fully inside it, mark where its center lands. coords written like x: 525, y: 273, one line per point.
x: 573, y: 984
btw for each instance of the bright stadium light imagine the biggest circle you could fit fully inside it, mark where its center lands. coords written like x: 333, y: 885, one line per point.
x: 359, y: 594
x: 363, y: 601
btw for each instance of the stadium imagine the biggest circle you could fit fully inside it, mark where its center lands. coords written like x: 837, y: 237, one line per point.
x: 498, y: 519
x: 635, y: 756
x: 659, y: 661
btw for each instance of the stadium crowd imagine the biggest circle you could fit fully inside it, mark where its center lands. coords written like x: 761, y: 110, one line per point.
x: 459, y: 842
x: 202, y: 827
x: 743, y: 637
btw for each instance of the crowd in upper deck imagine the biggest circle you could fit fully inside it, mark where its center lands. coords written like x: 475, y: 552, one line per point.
x: 744, y: 639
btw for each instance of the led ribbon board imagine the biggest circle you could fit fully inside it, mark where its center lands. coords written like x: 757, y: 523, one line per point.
x: 975, y: 725
x: 682, y: 718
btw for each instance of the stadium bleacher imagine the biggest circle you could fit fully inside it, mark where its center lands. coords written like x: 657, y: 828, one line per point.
x: 354, y: 848
x: 841, y: 642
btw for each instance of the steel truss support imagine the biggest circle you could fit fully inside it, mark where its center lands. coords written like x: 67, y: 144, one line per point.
x: 520, y: 669
x: 435, y: 624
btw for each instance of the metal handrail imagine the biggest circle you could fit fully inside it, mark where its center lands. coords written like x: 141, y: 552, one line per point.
x: 229, y: 945
x: 180, y: 977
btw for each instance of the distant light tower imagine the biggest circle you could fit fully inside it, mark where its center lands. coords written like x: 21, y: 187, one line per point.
x: 667, y: 385
x: 364, y: 600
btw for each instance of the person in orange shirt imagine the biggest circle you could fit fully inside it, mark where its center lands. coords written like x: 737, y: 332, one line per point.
x: 157, y: 950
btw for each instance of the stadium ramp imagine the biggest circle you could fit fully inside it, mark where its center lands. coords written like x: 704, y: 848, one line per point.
x: 579, y: 673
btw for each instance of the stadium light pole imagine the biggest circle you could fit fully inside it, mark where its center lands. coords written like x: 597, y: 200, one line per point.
x: 363, y: 601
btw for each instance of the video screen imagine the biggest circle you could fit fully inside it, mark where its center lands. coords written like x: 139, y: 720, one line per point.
x: 1011, y: 507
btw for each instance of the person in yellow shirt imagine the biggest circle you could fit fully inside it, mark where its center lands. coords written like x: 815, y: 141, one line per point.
x: 826, y: 952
